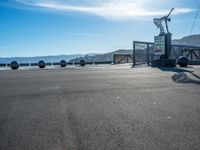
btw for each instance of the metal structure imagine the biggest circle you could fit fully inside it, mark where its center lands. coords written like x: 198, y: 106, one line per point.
x: 191, y: 52
x: 147, y: 51
x: 122, y: 58
x: 158, y: 22
x: 162, y: 43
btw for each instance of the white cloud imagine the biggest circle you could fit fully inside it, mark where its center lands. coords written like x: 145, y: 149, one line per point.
x: 110, y: 9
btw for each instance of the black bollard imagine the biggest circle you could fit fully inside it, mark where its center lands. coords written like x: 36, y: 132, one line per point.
x: 183, y: 61
x: 82, y: 63
x: 63, y: 63
x: 41, y: 64
x: 14, y: 65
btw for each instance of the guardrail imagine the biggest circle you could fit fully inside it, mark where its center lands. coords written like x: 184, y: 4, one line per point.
x: 42, y: 64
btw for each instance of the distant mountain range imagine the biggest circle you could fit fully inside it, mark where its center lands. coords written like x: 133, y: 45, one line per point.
x: 188, y: 40
x: 35, y: 59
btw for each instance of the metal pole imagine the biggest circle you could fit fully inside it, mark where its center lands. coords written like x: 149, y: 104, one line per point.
x: 191, y: 56
x: 199, y: 53
x: 133, y: 54
x: 148, y: 54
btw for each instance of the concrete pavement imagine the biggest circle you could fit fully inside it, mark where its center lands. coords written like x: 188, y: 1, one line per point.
x: 100, y: 108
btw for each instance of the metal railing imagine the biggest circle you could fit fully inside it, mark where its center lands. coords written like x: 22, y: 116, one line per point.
x: 174, y: 52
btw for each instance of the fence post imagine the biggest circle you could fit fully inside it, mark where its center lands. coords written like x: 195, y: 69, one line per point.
x: 133, y: 54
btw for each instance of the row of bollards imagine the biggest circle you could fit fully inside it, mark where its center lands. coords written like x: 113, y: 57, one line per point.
x: 41, y: 64
x: 182, y: 61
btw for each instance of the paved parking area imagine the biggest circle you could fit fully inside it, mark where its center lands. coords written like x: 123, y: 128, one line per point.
x: 100, y: 108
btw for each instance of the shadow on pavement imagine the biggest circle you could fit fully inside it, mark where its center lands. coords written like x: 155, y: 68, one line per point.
x: 180, y: 75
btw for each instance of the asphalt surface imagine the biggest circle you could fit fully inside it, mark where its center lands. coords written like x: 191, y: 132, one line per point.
x: 100, y: 108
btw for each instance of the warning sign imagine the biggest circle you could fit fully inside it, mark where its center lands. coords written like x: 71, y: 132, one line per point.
x: 159, y: 45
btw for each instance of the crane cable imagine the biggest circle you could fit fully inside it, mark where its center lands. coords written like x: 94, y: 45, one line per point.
x: 195, y: 19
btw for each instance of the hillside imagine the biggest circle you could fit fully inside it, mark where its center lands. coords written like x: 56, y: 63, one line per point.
x: 101, y: 57
x: 188, y: 40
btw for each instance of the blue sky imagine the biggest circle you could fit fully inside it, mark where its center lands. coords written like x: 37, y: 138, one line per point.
x: 53, y: 27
